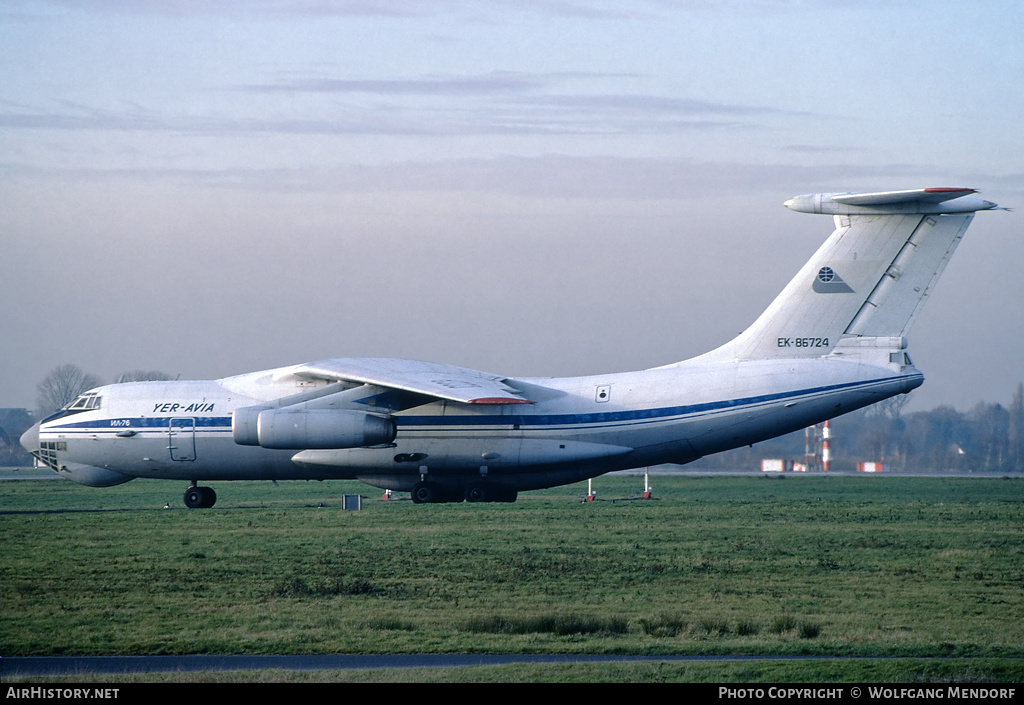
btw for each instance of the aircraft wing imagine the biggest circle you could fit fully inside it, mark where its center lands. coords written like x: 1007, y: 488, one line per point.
x: 432, y: 379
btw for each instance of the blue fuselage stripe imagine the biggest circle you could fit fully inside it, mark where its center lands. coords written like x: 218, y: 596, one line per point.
x: 630, y: 415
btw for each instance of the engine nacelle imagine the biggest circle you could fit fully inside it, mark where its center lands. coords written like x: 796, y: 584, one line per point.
x: 292, y: 429
x: 244, y: 426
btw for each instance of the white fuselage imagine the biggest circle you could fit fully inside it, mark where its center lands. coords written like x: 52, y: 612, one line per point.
x: 583, y: 427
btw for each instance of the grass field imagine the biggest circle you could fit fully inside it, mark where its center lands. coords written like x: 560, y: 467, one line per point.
x: 824, y: 565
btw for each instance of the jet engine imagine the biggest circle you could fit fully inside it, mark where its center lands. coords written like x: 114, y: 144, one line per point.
x: 294, y: 429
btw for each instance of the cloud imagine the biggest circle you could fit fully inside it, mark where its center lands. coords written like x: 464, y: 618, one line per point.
x: 502, y: 82
x: 551, y: 176
x: 495, y: 103
x: 374, y: 9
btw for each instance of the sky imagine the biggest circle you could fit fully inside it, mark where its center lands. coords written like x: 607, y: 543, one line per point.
x: 531, y: 188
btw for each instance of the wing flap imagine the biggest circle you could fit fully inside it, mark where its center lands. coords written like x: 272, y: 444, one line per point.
x: 449, y: 382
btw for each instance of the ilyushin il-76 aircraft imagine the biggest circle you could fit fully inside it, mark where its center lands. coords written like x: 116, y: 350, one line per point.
x: 833, y: 341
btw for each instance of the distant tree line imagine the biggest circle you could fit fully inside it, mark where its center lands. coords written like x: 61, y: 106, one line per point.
x: 66, y: 382
x: 13, y: 423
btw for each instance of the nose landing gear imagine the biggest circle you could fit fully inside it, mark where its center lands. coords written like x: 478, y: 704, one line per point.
x: 200, y: 497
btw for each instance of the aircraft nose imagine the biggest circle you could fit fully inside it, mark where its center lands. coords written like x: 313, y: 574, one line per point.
x: 30, y: 438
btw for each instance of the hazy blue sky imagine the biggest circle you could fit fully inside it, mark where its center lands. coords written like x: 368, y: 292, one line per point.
x: 529, y: 188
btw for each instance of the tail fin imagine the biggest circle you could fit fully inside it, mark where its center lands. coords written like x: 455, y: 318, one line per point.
x: 869, y: 279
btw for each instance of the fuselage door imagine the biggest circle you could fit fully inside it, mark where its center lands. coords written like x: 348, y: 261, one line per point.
x: 182, y: 438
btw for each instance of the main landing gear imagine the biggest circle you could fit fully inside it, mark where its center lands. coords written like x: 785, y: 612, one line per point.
x: 428, y: 492
x: 200, y: 497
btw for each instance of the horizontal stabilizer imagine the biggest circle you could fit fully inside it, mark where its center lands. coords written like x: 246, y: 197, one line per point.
x: 914, y: 201
x: 925, y: 195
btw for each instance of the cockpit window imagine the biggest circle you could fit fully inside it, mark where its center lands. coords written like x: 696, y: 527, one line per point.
x: 86, y: 402
x: 91, y: 400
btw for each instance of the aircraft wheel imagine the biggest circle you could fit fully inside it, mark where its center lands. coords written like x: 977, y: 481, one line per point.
x: 200, y: 497
x: 194, y: 497
x: 424, y: 493
x: 477, y: 493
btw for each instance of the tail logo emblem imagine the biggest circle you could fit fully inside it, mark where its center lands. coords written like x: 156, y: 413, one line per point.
x: 828, y: 282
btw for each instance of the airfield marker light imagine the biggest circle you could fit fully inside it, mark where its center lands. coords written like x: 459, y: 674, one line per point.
x: 826, y: 453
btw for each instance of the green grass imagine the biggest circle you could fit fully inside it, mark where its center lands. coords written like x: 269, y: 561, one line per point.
x: 834, y: 566
x: 831, y: 671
